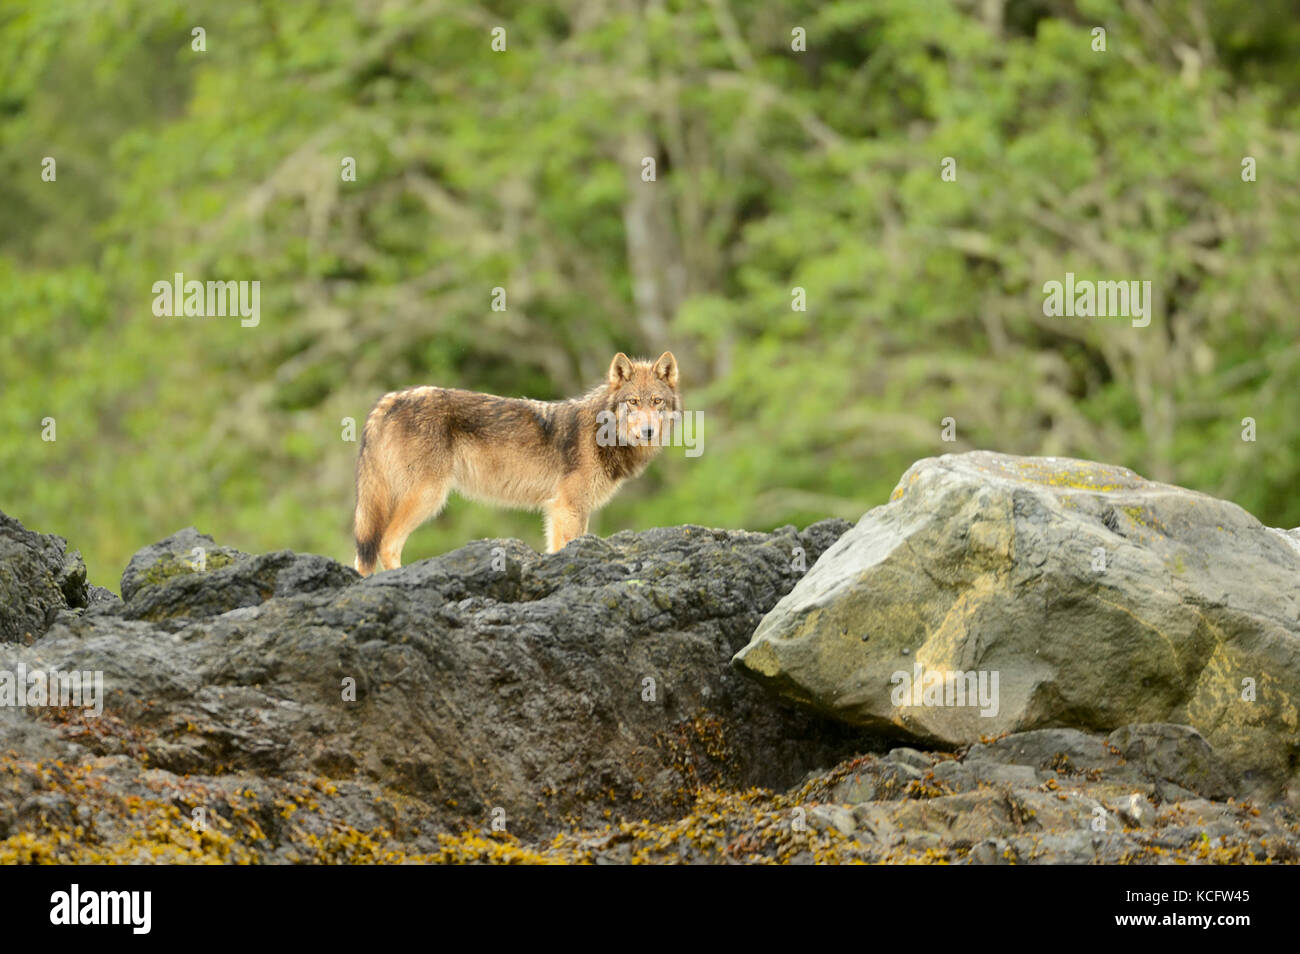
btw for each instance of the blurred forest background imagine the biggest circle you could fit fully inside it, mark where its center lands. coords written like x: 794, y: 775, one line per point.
x: 522, y: 169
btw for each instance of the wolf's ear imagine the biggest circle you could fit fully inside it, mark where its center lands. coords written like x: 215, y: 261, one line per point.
x: 666, y: 368
x: 620, y: 370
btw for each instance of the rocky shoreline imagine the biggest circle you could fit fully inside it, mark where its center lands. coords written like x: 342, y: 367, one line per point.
x: 498, y: 705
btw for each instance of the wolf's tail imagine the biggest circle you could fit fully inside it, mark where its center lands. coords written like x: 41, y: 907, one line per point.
x: 371, y: 516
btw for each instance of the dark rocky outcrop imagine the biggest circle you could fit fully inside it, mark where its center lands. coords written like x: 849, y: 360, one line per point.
x: 549, y: 689
x: 38, y: 579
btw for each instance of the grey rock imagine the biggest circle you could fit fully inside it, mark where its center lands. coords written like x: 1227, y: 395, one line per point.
x: 906, y: 756
x: 1134, y: 810
x: 39, y: 578
x: 1016, y: 776
x: 832, y: 816
x: 858, y: 788
x: 1173, y: 754
x: 988, y: 852
x: 1066, y: 751
x: 955, y: 776
x: 188, y: 575
x: 177, y: 554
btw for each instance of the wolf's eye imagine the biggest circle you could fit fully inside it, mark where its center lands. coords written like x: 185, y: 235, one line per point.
x: 632, y: 402
x: 658, y: 402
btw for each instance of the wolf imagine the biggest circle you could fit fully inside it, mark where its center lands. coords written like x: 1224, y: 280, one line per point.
x: 566, y: 458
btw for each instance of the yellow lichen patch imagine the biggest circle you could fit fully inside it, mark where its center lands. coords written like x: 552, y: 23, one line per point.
x: 167, y: 820
x: 1145, y: 517
x: 1064, y: 472
x: 113, y: 810
x: 475, y: 847
x: 698, y: 751
x: 169, y: 566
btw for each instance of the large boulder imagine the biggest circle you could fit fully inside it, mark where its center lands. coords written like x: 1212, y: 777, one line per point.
x: 1068, y: 593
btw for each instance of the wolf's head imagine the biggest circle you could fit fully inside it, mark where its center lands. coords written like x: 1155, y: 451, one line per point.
x: 643, y: 395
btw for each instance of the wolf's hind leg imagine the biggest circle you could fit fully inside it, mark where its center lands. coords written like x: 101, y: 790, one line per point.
x: 564, y: 521
x: 419, y: 504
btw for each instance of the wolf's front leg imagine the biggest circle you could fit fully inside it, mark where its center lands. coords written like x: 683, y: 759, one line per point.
x: 564, y: 521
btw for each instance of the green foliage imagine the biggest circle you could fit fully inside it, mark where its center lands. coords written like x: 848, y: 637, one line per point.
x: 522, y: 169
